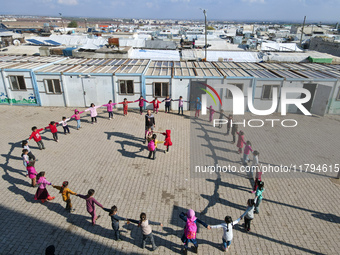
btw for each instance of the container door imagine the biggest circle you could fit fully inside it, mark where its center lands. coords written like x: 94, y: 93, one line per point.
x: 320, y: 101
x: 90, y: 91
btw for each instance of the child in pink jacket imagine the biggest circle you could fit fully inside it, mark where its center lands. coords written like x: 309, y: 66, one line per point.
x: 211, y: 113
x: 42, y: 193
x: 141, y: 101
x: 93, y: 112
x: 109, y: 106
x: 77, y: 117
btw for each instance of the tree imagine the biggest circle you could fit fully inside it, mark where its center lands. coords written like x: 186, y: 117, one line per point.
x: 210, y: 28
x: 73, y: 23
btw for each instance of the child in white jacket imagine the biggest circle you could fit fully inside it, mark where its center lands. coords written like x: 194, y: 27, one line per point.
x: 227, y: 231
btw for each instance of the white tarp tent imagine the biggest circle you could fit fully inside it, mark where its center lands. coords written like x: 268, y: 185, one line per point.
x: 169, y: 55
x: 273, y: 46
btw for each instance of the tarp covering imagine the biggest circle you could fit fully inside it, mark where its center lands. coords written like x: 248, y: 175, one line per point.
x: 75, y: 40
x: 234, y: 56
x: 170, y: 55
x: 273, y: 46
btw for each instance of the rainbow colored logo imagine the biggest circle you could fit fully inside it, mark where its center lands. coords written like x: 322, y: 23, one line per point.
x: 210, y: 94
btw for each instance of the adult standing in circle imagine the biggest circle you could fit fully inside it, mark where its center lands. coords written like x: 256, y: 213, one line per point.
x: 149, y: 123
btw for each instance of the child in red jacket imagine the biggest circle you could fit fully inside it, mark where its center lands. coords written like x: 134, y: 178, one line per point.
x: 125, y: 104
x: 167, y: 140
x: 37, y: 137
x: 53, y: 127
x: 155, y: 103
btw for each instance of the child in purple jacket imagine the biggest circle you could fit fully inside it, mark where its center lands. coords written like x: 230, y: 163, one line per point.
x: 90, y: 205
x: 141, y: 101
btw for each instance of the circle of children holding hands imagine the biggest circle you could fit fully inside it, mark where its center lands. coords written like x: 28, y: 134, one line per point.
x: 150, y: 137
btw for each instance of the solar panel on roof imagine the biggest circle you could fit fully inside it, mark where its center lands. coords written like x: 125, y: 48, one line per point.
x: 52, y: 42
x: 36, y: 42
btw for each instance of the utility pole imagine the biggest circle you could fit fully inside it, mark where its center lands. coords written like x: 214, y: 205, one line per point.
x: 62, y: 21
x: 303, y: 27
x: 205, y: 32
x: 85, y: 25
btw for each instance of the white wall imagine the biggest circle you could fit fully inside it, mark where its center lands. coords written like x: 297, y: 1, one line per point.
x: 180, y: 87
x: 149, y: 91
x: 74, y: 90
x: 48, y: 99
x: 137, y: 83
x: 227, y: 103
x: 3, y: 92
x: 292, y: 84
x: 20, y: 96
x: 335, y: 104
x: 264, y: 104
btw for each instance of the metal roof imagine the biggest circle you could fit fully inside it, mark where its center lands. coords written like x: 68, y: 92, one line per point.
x: 159, y: 68
x: 262, y: 73
x: 315, y: 74
x: 172, y: 68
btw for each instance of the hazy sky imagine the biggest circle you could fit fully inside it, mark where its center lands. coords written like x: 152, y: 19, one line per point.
x: 315, y: 10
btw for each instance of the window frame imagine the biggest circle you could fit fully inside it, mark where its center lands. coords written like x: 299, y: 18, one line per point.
x: 125, y: 81
x: 271, y: 91
x: 161, y: 96
x: 234, y: 84
x: 54, y: 90
x: 16, y: 77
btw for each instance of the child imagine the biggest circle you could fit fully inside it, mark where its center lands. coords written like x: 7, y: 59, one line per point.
x: 180, y: 104
x: 31, y: 172
x: 141, y: 101
x: 211, y: 113
x: 258, y: 174
x: 240, y: 141
x: 227, y: 231
x: 167, y: 140
x: 152, y: 146
x: 255, y: 163
x: 42, y: 193
x: 37, y: 137
x: 190, y: 229
x: 230, y: 119
x: 149, y: 122
x: 93, y: 112
x: 149, y: 134
x: 247, y: 150
x: 198, y: 107
x: 144, y: 224
x: 115, y: 221
x: 221, y: 117
x: 167, y: 104
x: 234, y: 129
x: 77, y: 117
x: 258, y: 196
x: 109, y: 106
x: 248, y: 214
x: 25, y: 146
x: 65, y: 192
x: 155, y: 103
x: 90, y: 205
x: 125, y: 106
x: 53, y: 127
x: 25, y: 158
x: 64, y: 124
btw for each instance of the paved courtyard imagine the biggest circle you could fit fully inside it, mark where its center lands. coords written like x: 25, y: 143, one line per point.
x: 299, y: 213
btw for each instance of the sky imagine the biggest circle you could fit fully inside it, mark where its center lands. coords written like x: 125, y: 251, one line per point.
x: 266, y: 10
